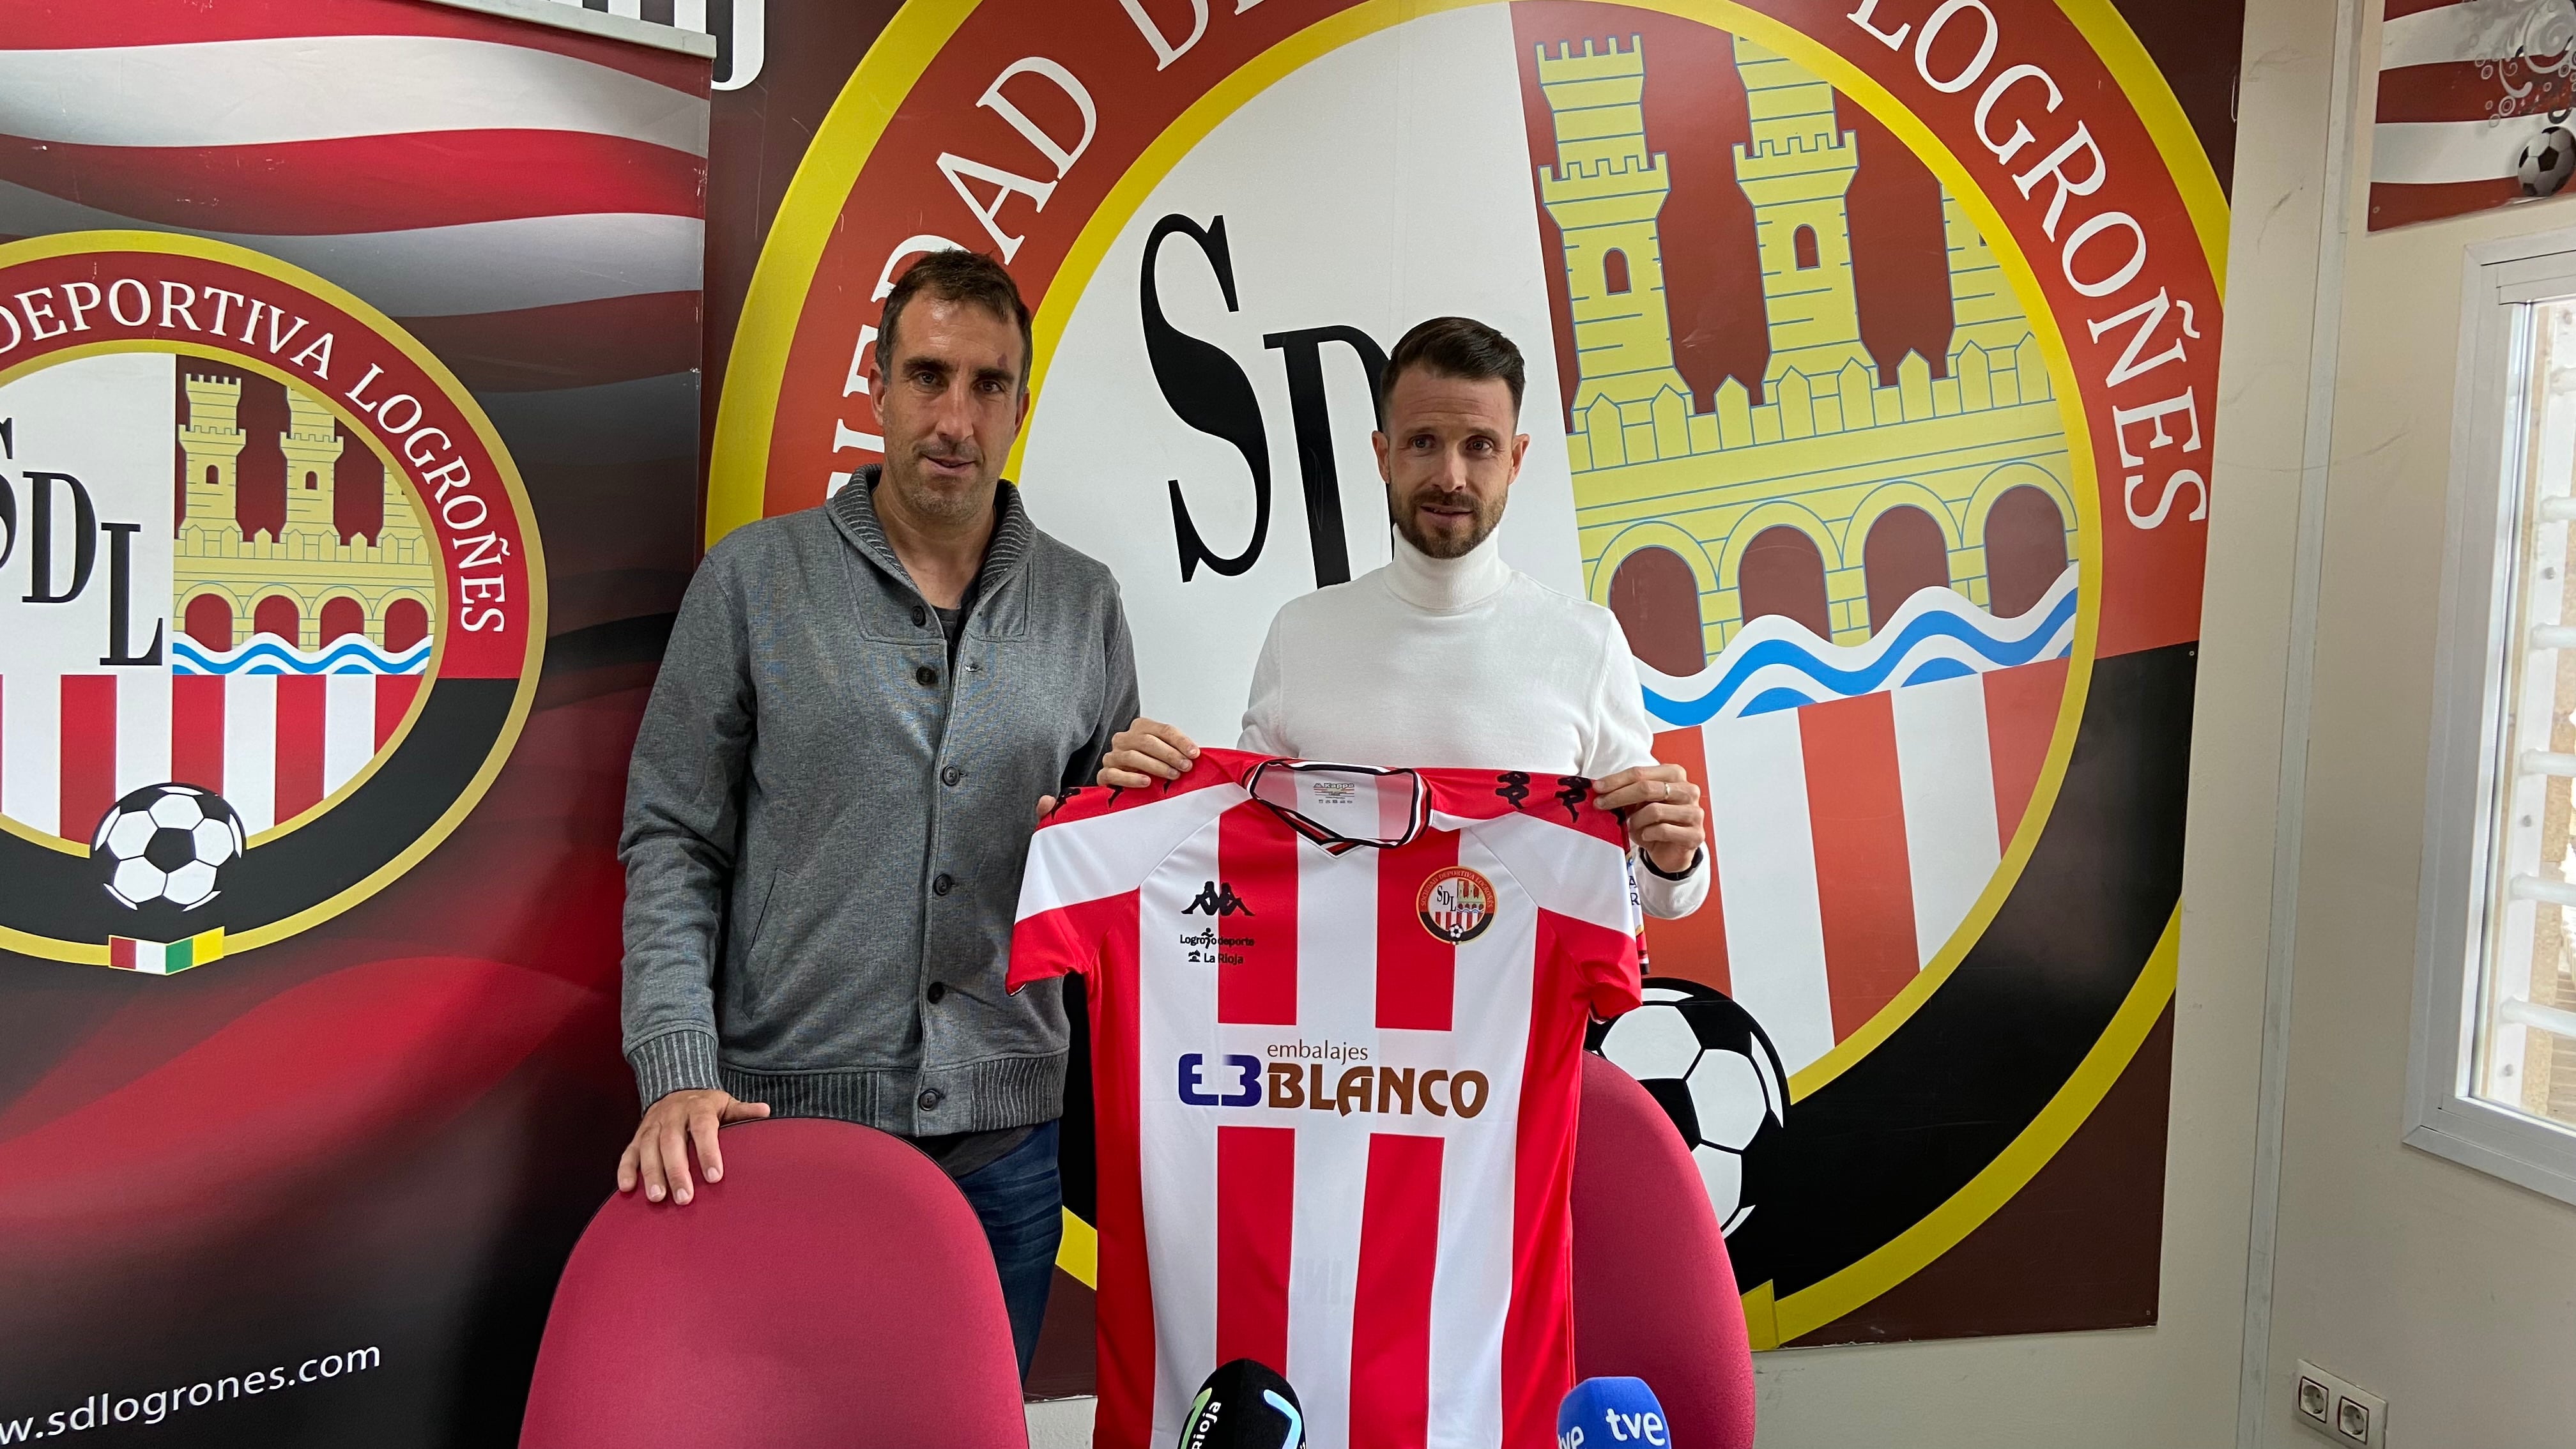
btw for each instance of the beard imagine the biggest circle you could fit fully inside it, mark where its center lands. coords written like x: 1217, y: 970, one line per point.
x: 1484, y: 518
x: 934, y: 500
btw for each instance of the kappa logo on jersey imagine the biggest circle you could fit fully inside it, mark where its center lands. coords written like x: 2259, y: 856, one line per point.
x: 271, y: 600
x: 1571, y: 792
x: 1513, y: 786
x: 1455, y: 904
x: 1217, y: 899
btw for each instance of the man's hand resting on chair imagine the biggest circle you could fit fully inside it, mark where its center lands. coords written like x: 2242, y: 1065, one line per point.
x: 659, y: 1155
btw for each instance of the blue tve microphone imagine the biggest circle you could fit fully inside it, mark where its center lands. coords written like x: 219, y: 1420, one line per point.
x: 1244, y: 1405
x: 1599, y: 1413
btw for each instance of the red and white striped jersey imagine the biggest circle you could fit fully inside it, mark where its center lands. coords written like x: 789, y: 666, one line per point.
x: 1337, y: 1015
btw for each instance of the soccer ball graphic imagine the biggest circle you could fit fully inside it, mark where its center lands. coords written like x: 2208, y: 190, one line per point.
x: 2545, y: 162
x: 168, y: 845
x: 1707, y: 1061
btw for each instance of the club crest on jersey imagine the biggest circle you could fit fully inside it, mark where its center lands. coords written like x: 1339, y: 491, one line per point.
x: 1455, y: 904
x: 272, y: 603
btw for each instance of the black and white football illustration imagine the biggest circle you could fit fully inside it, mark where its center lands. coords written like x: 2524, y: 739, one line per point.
x: 2546, y: 161
x: 1708, y: 1062
x: 167, y: 845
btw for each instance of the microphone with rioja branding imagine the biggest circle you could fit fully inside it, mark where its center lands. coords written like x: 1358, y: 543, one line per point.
x: 1244, y: 1405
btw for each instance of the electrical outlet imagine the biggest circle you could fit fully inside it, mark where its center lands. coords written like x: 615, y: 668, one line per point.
x: 2342, y: 1411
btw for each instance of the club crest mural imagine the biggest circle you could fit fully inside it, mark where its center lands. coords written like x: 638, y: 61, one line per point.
x: 1871, y: 353
x: 280, y: 607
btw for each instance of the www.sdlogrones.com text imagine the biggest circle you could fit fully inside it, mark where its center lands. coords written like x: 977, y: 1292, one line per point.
x: 101, y: 1410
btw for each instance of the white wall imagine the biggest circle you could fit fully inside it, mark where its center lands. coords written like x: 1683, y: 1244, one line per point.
x: 2447, y: 1291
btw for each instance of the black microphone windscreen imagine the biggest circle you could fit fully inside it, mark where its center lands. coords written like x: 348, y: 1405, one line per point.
x: 1244, y: 1405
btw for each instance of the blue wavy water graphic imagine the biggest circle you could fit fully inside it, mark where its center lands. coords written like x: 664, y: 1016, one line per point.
x: 1923, y: 644
x: 265, y: 655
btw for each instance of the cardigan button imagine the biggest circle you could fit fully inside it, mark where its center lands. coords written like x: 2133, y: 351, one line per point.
x: 926, y: 677
x: 940, y: 884
x: 937, y: 990
x: 920, y: 616
x: 930, y: 1099
x: 951, y: 775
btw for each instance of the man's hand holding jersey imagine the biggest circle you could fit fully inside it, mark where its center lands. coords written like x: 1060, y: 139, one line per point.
x: 1665, y: 821
x: 1144, y: 752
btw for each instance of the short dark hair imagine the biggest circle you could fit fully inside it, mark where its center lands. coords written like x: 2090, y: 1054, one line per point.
x: 956, y: 276
x: 1459, y: 347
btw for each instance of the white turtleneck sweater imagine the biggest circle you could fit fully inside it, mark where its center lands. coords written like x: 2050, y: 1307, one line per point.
x: 1463, y: 663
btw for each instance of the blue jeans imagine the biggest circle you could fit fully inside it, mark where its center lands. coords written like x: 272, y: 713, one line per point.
x: 1020, y: 1201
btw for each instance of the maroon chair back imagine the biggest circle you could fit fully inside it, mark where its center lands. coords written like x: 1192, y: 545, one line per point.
x: 834, y: 1290
x: 1654, y: 1294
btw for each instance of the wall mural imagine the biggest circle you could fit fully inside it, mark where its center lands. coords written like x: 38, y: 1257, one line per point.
x: 348, y: 481
x: 1872, y: 353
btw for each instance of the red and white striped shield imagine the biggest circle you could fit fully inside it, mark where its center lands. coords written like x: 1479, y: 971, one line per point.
x: 1852, y: 839
x: 274, y: 746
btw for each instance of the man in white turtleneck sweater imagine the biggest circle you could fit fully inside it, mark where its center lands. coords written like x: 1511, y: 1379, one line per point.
x: 1448, y: 656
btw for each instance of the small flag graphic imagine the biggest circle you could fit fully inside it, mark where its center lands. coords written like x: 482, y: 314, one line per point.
x: 159, y: 958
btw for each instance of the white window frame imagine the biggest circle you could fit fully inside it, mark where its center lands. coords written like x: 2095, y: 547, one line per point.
x: 2482, y: 533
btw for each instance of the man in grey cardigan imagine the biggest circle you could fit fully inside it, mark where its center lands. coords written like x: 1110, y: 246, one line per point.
x: 863, y: 710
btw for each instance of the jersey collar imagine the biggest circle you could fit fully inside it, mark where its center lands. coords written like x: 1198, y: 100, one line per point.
x: 1342, y: 807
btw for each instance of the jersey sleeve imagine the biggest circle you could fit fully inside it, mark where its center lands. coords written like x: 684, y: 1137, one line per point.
x: 1580, y: 878
x: 1055, y: 938
x: 1609, y: 963
x: 1089, y: 856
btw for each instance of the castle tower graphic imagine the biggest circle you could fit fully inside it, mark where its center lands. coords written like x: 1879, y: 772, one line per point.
x: 1847, y: 496
x: 384, y: 589
x: 1605, y: 192
x: 1797, y: 171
